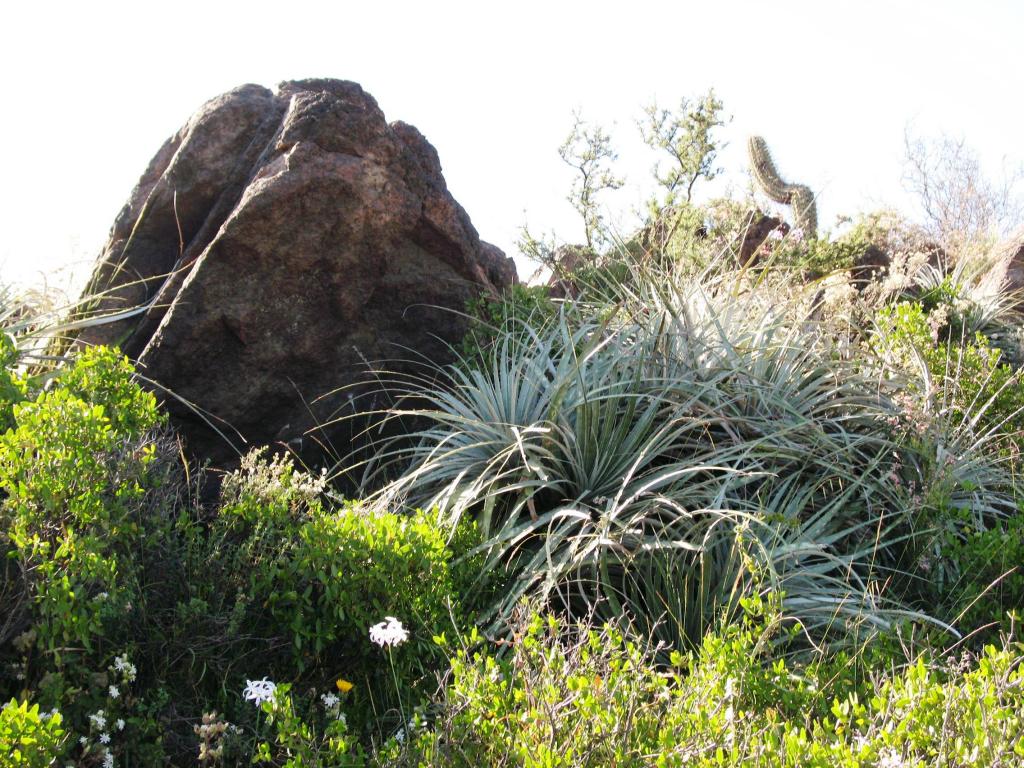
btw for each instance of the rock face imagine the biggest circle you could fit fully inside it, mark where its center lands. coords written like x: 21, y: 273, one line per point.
x: 281, y: 242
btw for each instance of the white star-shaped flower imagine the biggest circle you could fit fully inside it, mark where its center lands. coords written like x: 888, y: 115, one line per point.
x: 258, y: 691
x: 388, y: 632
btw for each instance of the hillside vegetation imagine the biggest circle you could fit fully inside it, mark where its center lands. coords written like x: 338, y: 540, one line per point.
x: 700, y: 501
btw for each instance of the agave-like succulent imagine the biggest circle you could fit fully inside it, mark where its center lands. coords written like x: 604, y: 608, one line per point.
x: 675, y: 448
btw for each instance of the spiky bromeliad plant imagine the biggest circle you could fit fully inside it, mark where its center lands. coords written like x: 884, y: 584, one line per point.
x: 658, y: 456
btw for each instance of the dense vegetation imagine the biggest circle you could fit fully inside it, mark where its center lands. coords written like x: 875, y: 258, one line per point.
x: 702, y: 513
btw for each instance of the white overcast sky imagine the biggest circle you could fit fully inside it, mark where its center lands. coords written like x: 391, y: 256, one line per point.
x: 94, y: 88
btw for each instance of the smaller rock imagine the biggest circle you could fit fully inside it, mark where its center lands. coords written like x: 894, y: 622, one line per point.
x: 756, y: 232
x: 869, y: 265
x: 569, y: 260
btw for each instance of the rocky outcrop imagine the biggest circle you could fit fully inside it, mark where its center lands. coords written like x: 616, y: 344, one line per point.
x: 282, y: 243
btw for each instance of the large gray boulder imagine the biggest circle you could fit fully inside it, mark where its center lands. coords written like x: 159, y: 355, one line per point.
x: 283, y: 243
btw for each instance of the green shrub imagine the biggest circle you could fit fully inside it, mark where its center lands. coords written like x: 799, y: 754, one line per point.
x: 490, y: 317
x: 967, y: 376
x: 103, y: 377
x: 961, y: 402
x: 309, y: 739
x: 577, y: 697
x: 12, y: 387
x: 989, y: 563
x: 74, y: 466
x: 313, y: 579
x: 77, y: 535
x: 686, y: 238
x: 30, y: 739
x: 814, y: 257
x: 865, y: 241
x: 558, y: 700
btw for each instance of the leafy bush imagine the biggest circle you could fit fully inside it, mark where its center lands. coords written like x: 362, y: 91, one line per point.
x: 491, y: 317
x: 28, y: 738
x: 813, y: 258
x: 79, y: 467
x: 311, y: 580
x: 74, y: 466
x: 988, y: 594
x: 962, y: 403
x: 966, y: 380
x: 296, y: 743
x: 104, y: 555
x: 12, y: 387
x: 859, y: 249
x: 565, y: 697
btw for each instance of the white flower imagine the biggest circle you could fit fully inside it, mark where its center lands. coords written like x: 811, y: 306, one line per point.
x: 119, y: 724
x: 258, y: 691
x: 388, y: 632
x: 99, y: 720
x: 401, y: 733
x: 890, y: 759
x: 330, y: 700
x: 343, y: 719
x: 108, y: 759
x: 104, y: 738
x: 83, y: 741
x: 101, y: 596
x: 114, y: 693
x: 121, y: 664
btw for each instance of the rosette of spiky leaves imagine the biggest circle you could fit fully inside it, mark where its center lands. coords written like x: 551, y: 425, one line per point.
x: 41, y: 324
x: 658, y: 456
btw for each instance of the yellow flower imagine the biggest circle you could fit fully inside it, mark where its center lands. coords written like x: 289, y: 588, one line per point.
x: 343, y: 685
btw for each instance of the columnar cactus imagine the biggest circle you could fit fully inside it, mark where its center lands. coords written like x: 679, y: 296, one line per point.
x: 799, y: 196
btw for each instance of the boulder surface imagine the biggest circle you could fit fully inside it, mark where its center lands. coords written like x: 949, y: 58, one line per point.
x: 280, y: 245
